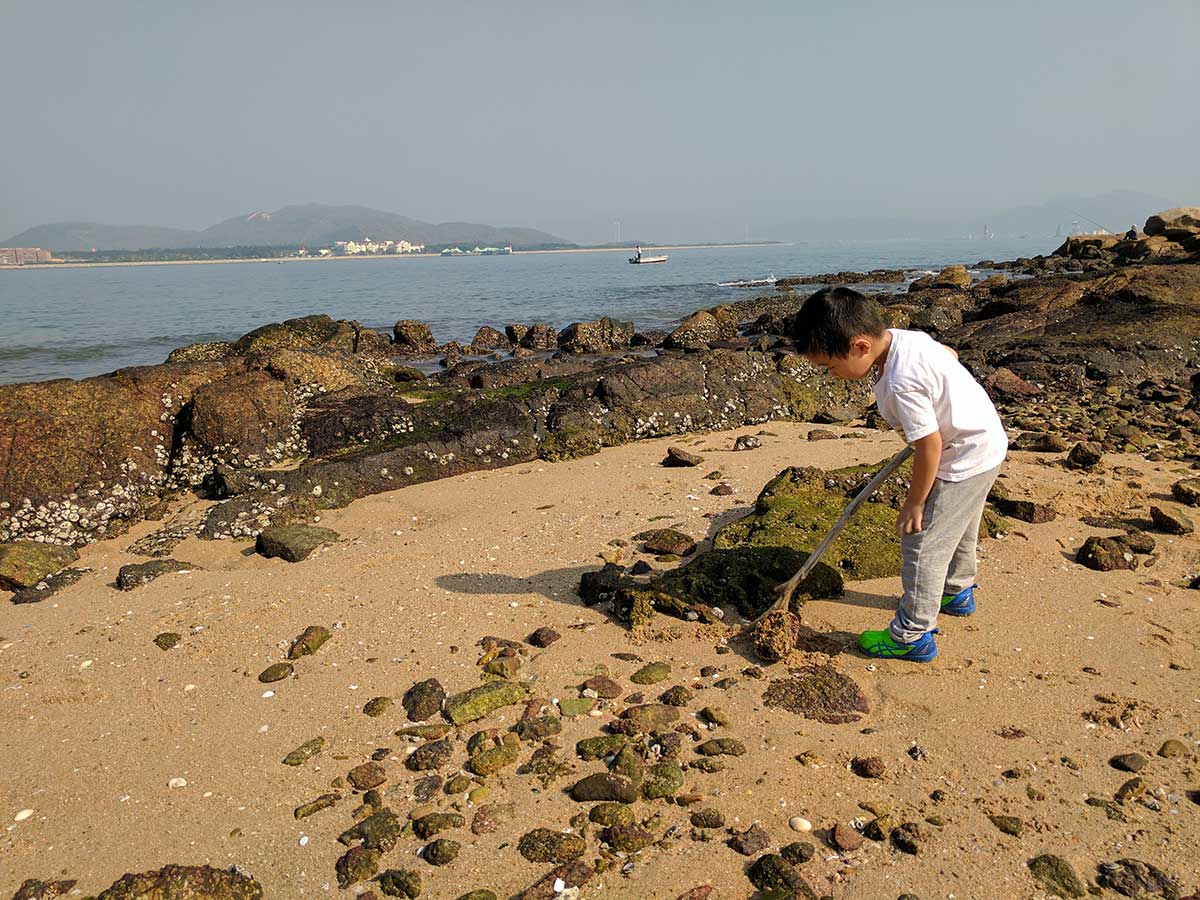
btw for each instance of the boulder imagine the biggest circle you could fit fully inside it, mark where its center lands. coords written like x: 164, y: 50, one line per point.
x: 292, y: 542
x: 411, y: 336
x: 135, y: 575
x: 306, y: 333
x: 1084, y: 455
x: 185, y: 883
x: 1171, y: 520
x: 488, y: 338
x: 540, y: 336
x: 599, y: 336
x: 956, y: 277
x: 1105, y: 554
x: 1179, y: 221
x: 23, y: 564
x: 695, y: 332
x: 244, y: 419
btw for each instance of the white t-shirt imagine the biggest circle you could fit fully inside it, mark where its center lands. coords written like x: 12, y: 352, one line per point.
x: 923, y: 388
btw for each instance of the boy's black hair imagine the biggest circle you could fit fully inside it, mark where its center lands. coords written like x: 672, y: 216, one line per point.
x: 831, y: 318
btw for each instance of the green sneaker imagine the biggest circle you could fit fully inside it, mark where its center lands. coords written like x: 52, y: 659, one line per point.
x: 882, y: 645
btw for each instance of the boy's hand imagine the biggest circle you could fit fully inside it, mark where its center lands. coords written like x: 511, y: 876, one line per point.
x: 911, y: 518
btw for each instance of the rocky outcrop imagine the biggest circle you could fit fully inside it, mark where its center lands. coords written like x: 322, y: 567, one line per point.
x: 595, y: 337
x: 413, y: 337
x: 184, y: 883
x: 701, y: 329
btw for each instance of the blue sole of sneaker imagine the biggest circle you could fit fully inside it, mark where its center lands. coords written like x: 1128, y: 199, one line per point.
x: 951, y: 609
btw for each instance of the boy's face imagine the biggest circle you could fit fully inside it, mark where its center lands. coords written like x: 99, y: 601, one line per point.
x: 851, y: 367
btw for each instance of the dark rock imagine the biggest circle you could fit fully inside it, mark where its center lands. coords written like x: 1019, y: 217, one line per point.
x: 1134, y: 878
x: 571, y: 875
x: 1057, y: 875
x: 708, y: 818
x: 845, y: 838
x: 367, y: 776
x: 747, y: 442
x: 611, y: 813
x: 956, y: 277
x: 309, y: 641
x: 696, y: 332
x: 429, y: 756
x: 667, y: 540
x: 1170, y: 520
x: 676, y: 696
x: 32, y: 889
x: 1025, y: 510
x: 798, y: 852
x: 435, y: 823
x: 868, y: 766
x: 413, y: 337
x: 601, y: 746
x: 907, y: 837
x: 602, y: 335
x: 442, y: 852
x: 1010, y: 825
x: 275, y: 672
x: 184, y: 883
x: 400, y: 883
x: 494, y: 759
x: 137, y: 574
x: 600, y: 586
x: 721, y: 747
x: 1105, y: 554
x: 540, y: 336
x: 488, y: 338
x: 292, y: 542
x: 720, y: 490
x: 325, y: 801
x: 604, y: 687
x: 23, y: 564
x: 678, y: 457
x: 1129, y: 762
x: 378, y: 831
x: 48, y: 586
x: 662, y: 779
x: 423, y: 700
x: 752, y: 841
x: 167, y: 640
x: 1187, y: 490
x: 1085, y: 455
x: 543, y: 637
x: 544, y: 845
x: 604, y: 786
x: 646, y: 718
x: 1039, y: 442
x: 377, y: 706
x: 627, y: 838
x: 822, y: 434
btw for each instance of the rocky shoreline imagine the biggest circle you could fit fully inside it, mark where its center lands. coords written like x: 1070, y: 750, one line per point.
x: 1093, y: 354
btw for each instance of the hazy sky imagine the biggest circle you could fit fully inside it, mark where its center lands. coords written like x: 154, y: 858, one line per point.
x: 568, y: 116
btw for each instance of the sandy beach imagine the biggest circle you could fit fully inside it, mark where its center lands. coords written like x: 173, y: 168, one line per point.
x: 99, y: 720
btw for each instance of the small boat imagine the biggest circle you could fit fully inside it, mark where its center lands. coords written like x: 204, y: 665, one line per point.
x: 639, y: 259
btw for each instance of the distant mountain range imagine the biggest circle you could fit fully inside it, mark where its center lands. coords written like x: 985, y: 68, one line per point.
x: 311, y: 225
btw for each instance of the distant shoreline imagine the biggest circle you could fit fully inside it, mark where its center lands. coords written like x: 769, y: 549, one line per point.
x: 390, y: 256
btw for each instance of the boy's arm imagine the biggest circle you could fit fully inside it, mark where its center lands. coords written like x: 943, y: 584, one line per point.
x: 927, y: 453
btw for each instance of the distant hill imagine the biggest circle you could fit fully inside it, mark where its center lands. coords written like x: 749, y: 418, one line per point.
x: 1115, y: 210
x: 94, y: 236
x: 312, y: 224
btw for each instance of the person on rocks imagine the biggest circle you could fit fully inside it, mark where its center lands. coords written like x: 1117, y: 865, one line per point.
x: 1131, y: 234
x: 958, y: 441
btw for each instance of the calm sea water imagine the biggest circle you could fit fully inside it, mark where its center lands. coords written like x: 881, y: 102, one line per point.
x: 77, y: 322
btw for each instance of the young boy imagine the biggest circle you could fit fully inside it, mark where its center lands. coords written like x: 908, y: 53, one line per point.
x: 958, y: 443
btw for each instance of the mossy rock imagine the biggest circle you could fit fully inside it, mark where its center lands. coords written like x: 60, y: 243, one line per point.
x: 493, y: 759
x: 662, y: 780
x: 24, y: 563
x: 611, y: 813
x: 795, y: 510
x: 546, y: 846
x: 744, y: 577
x: 467, y: 706
x: 400, y: 883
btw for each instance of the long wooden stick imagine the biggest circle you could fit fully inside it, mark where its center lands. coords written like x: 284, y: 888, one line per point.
x: 788, y: 588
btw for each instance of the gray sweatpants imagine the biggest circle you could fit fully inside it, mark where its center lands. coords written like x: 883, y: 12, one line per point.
x: 941, y: 557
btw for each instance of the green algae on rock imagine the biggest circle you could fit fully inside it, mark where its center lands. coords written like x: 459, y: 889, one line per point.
x: 600, y: 746
x: 429, y: 756
x: 796, y: 510
x: 651, y: 673
x: 377, y: 706
x: 275, y: 672
x: 493, y: 759
x: 167, y: 640
x: 545, y: 845
x: 24, y: 563
x: 355, y: 865
x: 662, y: 779
x: 442, y: 852
x: 611, y: 813
x: 429, y: 825
x: 721, y: 747
x: 604, y: 786
x: 378, y: 831
x: 309, y: 641
x: 818, y: 692
x: 1057, y: 875
x: 304, y: 810
x: 467, y: 706
x: 304, y: 752
x: 402, y: 883
x: 200, y: 882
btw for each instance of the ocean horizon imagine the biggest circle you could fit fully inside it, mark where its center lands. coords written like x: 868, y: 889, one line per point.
x: 84, y: 321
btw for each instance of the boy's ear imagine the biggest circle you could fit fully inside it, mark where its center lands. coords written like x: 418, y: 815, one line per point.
x: 862, y: 344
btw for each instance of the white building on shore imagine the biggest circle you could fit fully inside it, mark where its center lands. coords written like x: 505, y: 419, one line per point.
x: 375, y: 248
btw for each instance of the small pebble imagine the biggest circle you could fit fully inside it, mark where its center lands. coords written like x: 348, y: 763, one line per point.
x: 177, y: 782
x: 799, y: 823
x: 23, y: 815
